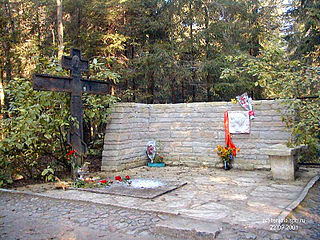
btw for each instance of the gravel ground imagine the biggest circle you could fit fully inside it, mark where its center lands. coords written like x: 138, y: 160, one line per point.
x: 30, y: 217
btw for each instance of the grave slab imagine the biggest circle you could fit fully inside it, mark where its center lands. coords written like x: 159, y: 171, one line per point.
x: 137, y: 192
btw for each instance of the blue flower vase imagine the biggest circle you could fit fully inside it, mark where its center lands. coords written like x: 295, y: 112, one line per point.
x: 226, y: 164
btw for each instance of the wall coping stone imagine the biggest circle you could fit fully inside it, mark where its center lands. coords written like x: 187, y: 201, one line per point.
x: 282, y: 150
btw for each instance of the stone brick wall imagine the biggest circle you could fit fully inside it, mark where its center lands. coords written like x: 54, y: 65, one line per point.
x: 189, y: 133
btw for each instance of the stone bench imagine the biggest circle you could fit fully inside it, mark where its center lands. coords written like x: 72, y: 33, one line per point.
x: 283, y: 161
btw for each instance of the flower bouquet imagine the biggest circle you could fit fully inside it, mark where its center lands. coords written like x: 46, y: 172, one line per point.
x: 246, y: 103
x: 226, y: 154
x: 156, y: 160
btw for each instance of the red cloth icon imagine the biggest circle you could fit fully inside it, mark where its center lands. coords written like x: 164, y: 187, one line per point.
x: 228, y: 139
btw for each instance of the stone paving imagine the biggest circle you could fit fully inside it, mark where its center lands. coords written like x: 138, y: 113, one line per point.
x: 217, y: 204
x: 31, y: 217
x: 247, y: 198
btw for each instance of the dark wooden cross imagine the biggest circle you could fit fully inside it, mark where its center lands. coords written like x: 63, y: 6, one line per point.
x: 76, y: 86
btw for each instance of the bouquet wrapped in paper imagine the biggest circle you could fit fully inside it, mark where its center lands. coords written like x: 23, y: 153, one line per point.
x: 151, y: 150
x: 245, y: 102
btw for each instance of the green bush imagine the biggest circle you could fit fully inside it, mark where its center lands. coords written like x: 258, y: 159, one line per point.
x: 35, y: 128
x: 48, y: 174
x: 5, y: 172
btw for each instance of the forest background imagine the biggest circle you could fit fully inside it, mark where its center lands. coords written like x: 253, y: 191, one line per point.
x: 152, y: 51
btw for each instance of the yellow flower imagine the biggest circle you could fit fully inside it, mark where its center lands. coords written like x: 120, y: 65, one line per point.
x: 234, y: 101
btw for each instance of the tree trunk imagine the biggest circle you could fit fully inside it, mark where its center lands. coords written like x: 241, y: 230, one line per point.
x: 78, y: 25
x: 254, y: 41
x: 194, y: 89
x: 134, y: 88
x: 207, y: 39
x: 8, y: 64
x: 8, y: 39
x: 38, y: 31
x: 151, y: 89
x: 208, y: 82
x: 59, y: 30
x: 183, y: 89
x: 1, y: 105
x: 173, y: 97
x: 192, y: 52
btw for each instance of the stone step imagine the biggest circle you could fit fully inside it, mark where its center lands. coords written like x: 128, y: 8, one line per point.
x: 187, y: 228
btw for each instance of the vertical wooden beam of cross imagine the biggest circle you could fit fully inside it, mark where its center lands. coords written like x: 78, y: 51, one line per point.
x: 76, y: 86
x: 76, y: 65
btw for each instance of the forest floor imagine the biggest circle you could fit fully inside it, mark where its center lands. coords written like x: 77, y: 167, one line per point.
x: 43, y: 213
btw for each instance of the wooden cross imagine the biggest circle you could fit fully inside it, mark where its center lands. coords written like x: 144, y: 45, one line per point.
x: 76, y: 86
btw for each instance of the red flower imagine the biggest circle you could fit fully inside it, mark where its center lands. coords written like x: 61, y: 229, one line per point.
x: 118, y: 178
x: 161, y: 157
x: 71, y: 152
x: 128, y: 177
x: 103, y: 181
x: 150, y: 149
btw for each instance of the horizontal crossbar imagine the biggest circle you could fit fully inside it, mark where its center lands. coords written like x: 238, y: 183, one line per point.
x: 45, y: 82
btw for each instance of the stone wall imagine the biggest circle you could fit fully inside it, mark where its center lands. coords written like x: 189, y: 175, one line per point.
x: 189, y: 133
